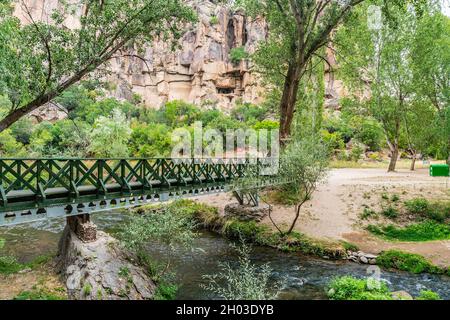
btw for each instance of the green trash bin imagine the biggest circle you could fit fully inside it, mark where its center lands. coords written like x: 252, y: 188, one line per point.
x: 439, y: 170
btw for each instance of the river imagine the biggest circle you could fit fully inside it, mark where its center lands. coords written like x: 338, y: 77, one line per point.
x: 304, y: 277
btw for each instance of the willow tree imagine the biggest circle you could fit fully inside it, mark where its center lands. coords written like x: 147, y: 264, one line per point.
x: 299, y: 30
x: 40, y: 58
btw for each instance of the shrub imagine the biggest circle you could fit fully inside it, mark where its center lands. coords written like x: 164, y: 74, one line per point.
x: 332, y: 140
x: 244, y: 281
x: 214, y: 20
x: 394, y: 259
x: 166, y: 291
x: 428, y: 295
x: 419, y: 206
x: 390, y: 212
x: 350, y: 288
x: 367, y: 214
x: 238, y: 54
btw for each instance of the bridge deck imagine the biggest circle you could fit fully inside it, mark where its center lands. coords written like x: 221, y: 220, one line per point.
x: 36, y: 189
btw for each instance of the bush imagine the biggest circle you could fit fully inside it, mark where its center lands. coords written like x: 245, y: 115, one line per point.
x: 333, y: 140
x: 368, y: 213
x: 394, y: 259
x: 419, y: 206
x: 244, y: 281
x: 390, y: 212
x: 350, y: 288
x: 438, y: 211
x: 428, y: 295
x: 238, y: 54
x: 166, y: 291
x: 214, y: 20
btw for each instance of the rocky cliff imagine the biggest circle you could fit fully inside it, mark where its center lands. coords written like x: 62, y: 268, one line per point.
x: 200, y: 71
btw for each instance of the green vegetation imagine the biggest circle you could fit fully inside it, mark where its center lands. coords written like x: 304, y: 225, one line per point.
x: 349, y: 288
x: 238, y: 54
x: 37, y: 69
x: 425, y: 231
x: 244, y: 281
x: 87, y: 289
x: 394, y: 259
x: 390, y: 212
x: 166, y: 291
x: 420, y: 207
x: 10, y: 265
x: 214, y: 20
x: 428, y: 295
x: 39, y: 294
x: 368, y: 213
x: 350, y: 246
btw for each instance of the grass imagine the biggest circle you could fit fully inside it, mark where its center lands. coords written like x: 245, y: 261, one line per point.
x: 350, y: 246
x: 422, y: 208
x: 166, y: 291
x: 401, y: 164
x: 39, y: 294
x: 350, y: 288
x: 394, y: 259
x: 10, y: 265
x: 419, y: 232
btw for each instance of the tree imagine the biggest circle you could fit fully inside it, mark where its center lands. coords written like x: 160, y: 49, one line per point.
x: 42, y: 58
x: 299, y: 30
x: 109, y: 138
x: 303, y: 165
x: 431, y: 67
x: 379, y: 60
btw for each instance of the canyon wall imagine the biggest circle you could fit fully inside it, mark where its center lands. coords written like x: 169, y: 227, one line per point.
x: 200, y: 71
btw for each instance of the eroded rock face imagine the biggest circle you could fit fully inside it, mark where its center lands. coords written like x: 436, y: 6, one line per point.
x: 200, y: 71
x: 101, y: 270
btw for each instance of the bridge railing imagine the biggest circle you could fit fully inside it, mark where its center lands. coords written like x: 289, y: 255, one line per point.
x: 39, y: 176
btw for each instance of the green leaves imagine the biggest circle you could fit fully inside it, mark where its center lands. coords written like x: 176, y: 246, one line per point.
x: 41, y: 59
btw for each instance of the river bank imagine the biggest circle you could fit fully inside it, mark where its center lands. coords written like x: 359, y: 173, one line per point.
x: 306, y: 277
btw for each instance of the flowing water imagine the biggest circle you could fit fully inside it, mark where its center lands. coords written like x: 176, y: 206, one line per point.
x: 304, y: 277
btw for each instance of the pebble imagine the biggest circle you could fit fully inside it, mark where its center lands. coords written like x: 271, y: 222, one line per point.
x: 363, y: 259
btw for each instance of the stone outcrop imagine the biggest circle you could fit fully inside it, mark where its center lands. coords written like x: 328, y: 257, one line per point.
x: 101, y: 270
x: 245, y: 212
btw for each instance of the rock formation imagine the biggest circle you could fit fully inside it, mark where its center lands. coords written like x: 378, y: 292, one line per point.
x: 101, y: 270
x: 200, y: 71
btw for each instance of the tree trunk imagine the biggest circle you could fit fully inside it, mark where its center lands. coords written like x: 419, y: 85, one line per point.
x: 413, y: 162
x: 394, y: 157
x: 448, y: 159
x: 288, y: 100
x: 297, y: 215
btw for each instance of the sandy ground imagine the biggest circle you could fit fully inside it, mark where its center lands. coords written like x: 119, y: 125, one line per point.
x: 42, y: 279
x: 333, y: 212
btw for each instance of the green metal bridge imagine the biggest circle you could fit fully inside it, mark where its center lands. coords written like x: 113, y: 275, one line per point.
x: 39, y: 189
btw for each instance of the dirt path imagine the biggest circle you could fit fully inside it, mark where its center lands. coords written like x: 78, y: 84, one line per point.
x: 333, y: 212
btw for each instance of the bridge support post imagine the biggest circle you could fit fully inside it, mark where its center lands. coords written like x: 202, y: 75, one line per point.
x: 83, y: 228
